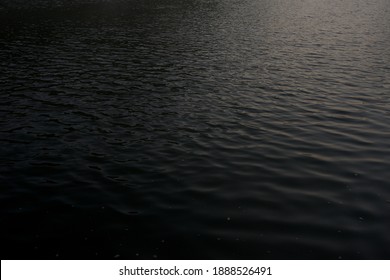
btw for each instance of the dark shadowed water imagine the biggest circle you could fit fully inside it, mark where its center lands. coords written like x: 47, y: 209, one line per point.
x: 195, y: 129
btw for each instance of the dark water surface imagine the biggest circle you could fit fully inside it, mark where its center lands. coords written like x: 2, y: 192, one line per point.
x: 195, y: 129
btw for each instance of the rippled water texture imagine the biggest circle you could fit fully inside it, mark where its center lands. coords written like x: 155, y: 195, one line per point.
x: 195, y: 129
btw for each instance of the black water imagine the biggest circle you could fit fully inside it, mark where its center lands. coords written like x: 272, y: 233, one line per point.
x: 195, y: 129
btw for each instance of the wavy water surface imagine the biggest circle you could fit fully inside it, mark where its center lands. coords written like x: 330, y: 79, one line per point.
x: 195, y: 129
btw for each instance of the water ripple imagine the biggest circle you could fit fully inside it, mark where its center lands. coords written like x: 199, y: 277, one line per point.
x: 195, y: 129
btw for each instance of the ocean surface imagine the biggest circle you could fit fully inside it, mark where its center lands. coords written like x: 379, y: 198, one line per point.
x: 195, y: 129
